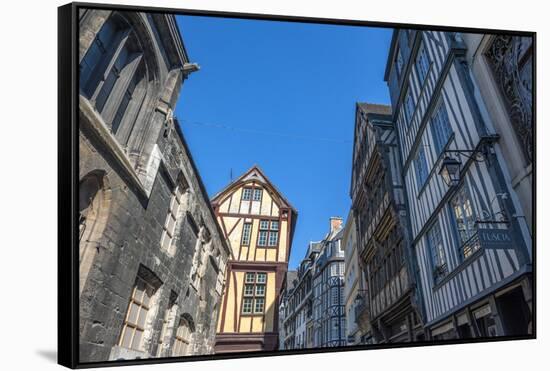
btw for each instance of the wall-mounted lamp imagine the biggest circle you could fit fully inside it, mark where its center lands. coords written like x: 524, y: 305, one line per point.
x: 451, y: 166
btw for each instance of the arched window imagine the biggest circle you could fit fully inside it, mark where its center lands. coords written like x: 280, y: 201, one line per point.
x: 183, y: 337
x: 113, y: 75
x: 177, y: 204
x: 94, y: 201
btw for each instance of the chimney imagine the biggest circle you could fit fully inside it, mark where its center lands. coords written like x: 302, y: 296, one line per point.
x: 335, y: 223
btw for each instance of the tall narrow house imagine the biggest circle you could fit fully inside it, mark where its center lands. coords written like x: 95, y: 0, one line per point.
x: 259, y: 223
x: 390, y: 300
x: 468, y: 227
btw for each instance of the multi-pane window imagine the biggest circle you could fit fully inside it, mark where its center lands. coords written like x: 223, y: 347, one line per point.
x: 422, y: 63
x: 435, y: 243
x: 95, y: 55
x: 399, y: 63
x: 136, y: 316
x: 171, y: 219
x: 268, y: 234
x: 441, y: 127
x: 335, y: 295
x: 421, y: 167
x: 247, y: 194
x: 465, y: 221
x: 409, y: 108
x: 182, y: 340
x: 110, y: 73
x: 247, y: 228
x: 257, y: 194
x: 254, y: 292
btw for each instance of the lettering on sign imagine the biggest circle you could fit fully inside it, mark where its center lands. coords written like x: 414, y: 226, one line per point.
x: 495, y: 238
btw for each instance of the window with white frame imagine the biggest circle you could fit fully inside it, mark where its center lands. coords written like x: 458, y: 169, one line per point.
x: 422, y: 63
x: 247, y: 230
x: 247, y: 194
x: 136, y: 316
x: 254, y: 292
x: 169, y: 227
x: 268, y: 233
x: 437, y: 252
x: 182, y: 340
x: 441, y: 127
x: 421, y: 167
x: 257, y: 194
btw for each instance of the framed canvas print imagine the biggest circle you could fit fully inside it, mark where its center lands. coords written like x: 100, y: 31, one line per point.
x: 241, y: 185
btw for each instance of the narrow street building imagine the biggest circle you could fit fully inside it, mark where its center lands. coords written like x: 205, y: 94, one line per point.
x: 329, y: 320
x: 391, y: 303
x: 152, y: 256
x: 298, y: 314
x: 286, y: 332
x: 259, y: 224
x: 355, y: 288
x: 469, y: 231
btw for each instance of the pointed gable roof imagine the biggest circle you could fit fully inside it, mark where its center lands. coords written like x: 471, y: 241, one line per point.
x: 254, y: 174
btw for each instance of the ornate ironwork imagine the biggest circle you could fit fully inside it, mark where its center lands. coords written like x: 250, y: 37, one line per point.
x: 511, y: 60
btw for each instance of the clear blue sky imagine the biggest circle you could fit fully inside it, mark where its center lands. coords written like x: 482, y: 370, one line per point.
x: 281, y: 95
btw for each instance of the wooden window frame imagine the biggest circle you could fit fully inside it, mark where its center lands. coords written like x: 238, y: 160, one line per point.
x: 254, y: 298
x: 255, y: 191
x: 243, y: 242
x: 269, y: 231
x: 249, y: 189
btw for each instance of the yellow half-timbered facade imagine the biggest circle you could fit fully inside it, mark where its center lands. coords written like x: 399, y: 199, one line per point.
x: 258, y: 222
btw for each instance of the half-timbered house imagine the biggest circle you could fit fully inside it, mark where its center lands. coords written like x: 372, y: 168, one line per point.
x: 469, y: 236
x: 390, y: 301
x: 259, y: 223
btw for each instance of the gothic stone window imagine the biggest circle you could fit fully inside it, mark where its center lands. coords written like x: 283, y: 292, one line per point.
x: 511, y: 59
x: 138, y: 310
x: 169, y: 228
x: 167, y: 323
x: 113, y: 75
x: 94, y: 204
x: 183, y: 338
x: 254, y: 292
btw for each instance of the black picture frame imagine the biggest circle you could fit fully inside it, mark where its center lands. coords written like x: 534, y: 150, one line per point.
x: 68, y: 298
